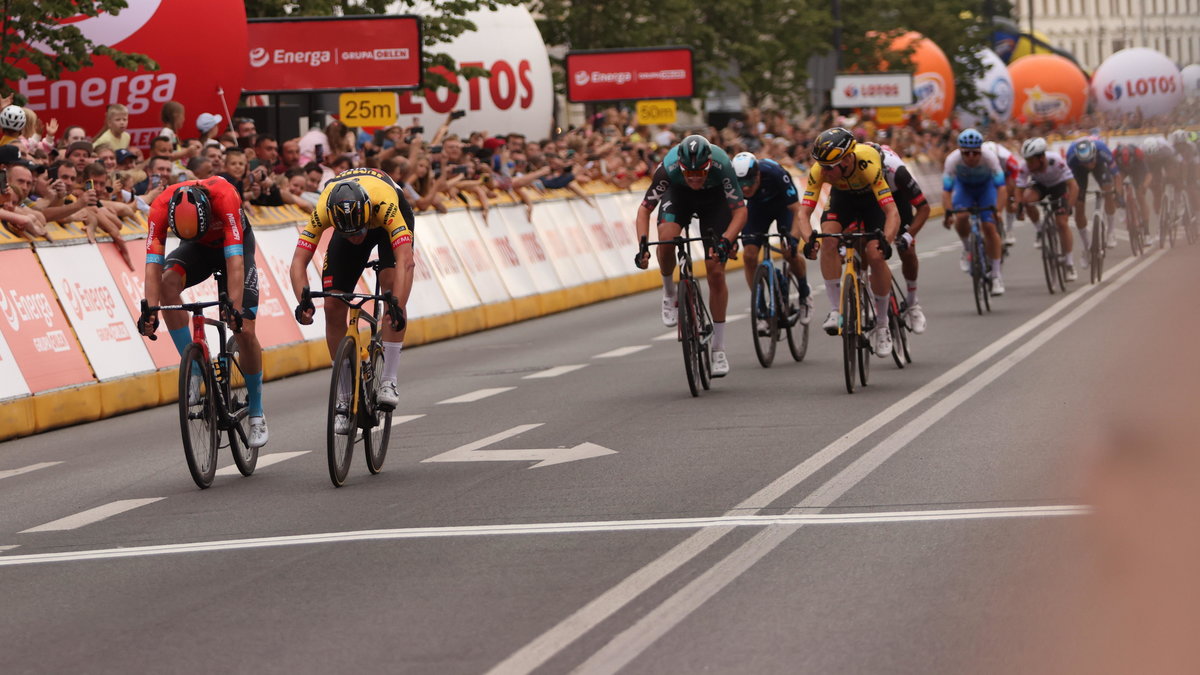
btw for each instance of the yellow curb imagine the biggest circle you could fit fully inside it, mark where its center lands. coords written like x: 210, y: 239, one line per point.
x: 285, y: 360
x: 17, y: 418
x: 318, y: 354
x: 435, y: 328
x: 553, y: 302
x: 526, y: 308
x: 66, y: 406
x: 499, y: 313
x: 168, y: 385
x: 469, y: 320
x: 128, y: 394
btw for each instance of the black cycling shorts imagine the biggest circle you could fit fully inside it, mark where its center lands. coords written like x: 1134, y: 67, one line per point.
x: 345, y: 261
x: 846, y: 208
x: 1103, y: 177
x: 758, y: 222
x: 1053, y: 192
x: 681, y: 203
x: 196, y: 262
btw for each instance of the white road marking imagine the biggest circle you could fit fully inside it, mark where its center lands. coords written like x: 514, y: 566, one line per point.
x: 673, y: 335
x: 621, y: 351
x: 9, y: 547
x: 626, y: 646
x: 401, y: 419
x: 550, y: 643
x: 554, y: 372
x: 477, y: 395
x: 543, y: 456
x: 587, y: 527
x: 92, y: 515
x: 263, y: 460
x: 730, y: 318
x: 26, y: 469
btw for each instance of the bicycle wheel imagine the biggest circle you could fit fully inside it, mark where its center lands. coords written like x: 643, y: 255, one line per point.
x: 378, y: 423
x: 198, y: 419
x: 703, y: 340
x: 900, y: 306
x: 764, y: 314
x: 866, y: 310
x: 341, y: 446
x: 688, y: 337
x: 1060, y: 267
x: 1190, y: 228
x: 237, y: 407
x: 1132, y: 224
x: 1164, y: 221
x: 985, y: 274
x: 977, y: 285
x: 797, y: 333
x: 1095, y: 250
x: 897, y: 329
x: 849, y: 330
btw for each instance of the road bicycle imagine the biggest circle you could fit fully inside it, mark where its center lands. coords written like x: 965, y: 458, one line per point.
x: 980, y: 264
x: 775, y: 303
x: 1177, y: 214
x: 1052, y: 257
x: 1102, y: 231
x: 354, y: 383
x: 898, y: 324
x: 213, y: 400
x: 695, y: 325
x: 856, y: 309
x: 1133, y: 220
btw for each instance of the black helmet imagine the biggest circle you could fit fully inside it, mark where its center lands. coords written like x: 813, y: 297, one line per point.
x: 695, y: 154
x: 189, y: 212
x: 832, y: 145
x: 349, y: 207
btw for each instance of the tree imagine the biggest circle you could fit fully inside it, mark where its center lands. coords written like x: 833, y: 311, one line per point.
x: 440, y: 23
x: 64, y: 47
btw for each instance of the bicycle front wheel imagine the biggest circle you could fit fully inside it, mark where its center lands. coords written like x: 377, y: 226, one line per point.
x: 866, y: 322
x: 689, y: 337
x: 765, y: 314
x: 198, y: 415
x: 342, y: 385
x: 237, y: 407
x: 797, y: 333
x: 1049, y: 257
x: 1097, y: 248
x: 704, y: 338
x: 978, y: 287
x: 850, y: 331
x: 377, y: 422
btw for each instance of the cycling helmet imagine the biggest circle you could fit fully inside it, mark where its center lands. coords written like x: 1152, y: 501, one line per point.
x: 349, y: 207
x: 1179, y: 136
x: 189, y: 212
x: 1033, y: 147
x: 12, y: 118
x: 832, y: 145
x: 1193, y: 136
x: 745, y: 165
x: 970, y: 139
x: 695, y: 154
x: 1085, y: 151
x: 1125, y: 154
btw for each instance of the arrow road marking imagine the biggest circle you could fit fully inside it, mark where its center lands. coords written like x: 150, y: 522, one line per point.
x: 543, y: 456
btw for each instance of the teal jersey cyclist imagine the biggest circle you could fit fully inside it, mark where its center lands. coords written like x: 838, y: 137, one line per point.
x: 696, y: 179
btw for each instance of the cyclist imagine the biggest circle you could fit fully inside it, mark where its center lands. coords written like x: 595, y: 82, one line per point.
x: 207, y: 217
x: 859, y: 193
x: 1091, y: 157
x: 695, y: 178
x: 1163, y: 165
x: 1012, y: 167
x: 1131, y: 162
x: 1047, y: 175
x: 1189, y: 156
x: 972, y: 177
x: 367, y: 211
x: 914, y: 211
x: 771, y: 197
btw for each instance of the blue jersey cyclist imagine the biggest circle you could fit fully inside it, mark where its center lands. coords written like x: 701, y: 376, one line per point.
x: 771, y: 197
x: 973, y: 176
x: 1091, y: 157
x: 695, y: 179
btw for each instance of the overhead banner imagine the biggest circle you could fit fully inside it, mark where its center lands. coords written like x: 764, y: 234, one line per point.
x: 872, y: 90
x: 333, y: 54
x: 629, y: 74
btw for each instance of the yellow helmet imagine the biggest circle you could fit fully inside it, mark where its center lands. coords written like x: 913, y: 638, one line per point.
x: 832, y: 145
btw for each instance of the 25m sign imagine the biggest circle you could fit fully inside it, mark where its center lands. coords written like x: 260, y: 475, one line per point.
x: 368, y: 109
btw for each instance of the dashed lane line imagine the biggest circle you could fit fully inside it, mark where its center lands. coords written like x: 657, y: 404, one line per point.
x: 554, y: 372
x: 621, y: 351
x: 26, y: 469
x: 263, y: 460
x: 92, y: 516
x: 476, y: 395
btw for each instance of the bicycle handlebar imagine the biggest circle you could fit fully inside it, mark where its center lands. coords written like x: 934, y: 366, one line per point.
x: 357, y: 300
x: 847, y: 236
x: 194, y: 308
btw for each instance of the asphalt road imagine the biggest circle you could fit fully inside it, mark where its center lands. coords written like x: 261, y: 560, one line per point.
x: 773, y: 525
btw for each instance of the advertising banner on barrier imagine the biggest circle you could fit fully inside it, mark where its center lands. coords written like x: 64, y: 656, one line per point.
x: 427, y: 297
x: 35, y: 328
x: 628, y: 74
x: 601, y: 240
x: 530, y: 250
x: 333, y: 53
x: 446, y: 266
x: 12, y: 382
x: 620, y: 223
x: 556, y: 221
x: 500, y: 246
x: 275, y: 324
x: 132, y: 285
x: 275, y: 246
x: 94, y: 306
x: 460, y: 229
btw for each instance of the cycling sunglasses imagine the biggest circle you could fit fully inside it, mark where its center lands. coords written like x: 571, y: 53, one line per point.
x: 698, y: 173
x: 970, y: 153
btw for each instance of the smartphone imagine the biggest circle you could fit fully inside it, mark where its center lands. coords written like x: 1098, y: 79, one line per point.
x: 154, y: 181
x: 89, y: 185
x: 417, y: 130
x: 3, y: 180
x: 458, y: 114
x: 460, y: 170
x: 435, y: 150
x: 320, y: 152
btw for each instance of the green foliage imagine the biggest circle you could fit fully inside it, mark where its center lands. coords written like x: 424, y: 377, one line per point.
x: 440, y: 23
x: 37, y: 21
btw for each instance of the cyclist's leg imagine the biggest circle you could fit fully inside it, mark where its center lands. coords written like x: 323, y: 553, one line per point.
x: 961, y: 198
x: 674, y: 213
x: 344, y: 264
x: 753, y: 237
x: 1081, y: 222
x: 185, y: 267
x: 833, y: 221
x: 1062, y: 216
x: 880, y: 278
x: 249, y: 349
x: 714, y: 220
x: 783, y: 224
x: 986, y: 196
x: 393, y: 340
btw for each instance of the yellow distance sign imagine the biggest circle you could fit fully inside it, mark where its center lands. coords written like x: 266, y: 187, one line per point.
x: 368, y: 109
x: 656, y: 112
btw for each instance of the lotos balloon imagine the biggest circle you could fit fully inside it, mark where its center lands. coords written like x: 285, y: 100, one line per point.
x: 1047, y: 87
x: 1191, y: 80
x: 933, y: 81
x: 1137, y: 79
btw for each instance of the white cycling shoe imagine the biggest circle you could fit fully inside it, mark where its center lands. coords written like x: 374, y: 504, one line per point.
x: 720, y: 364
x: 964, y: 262
x: 258, y: 431
x: 915, y: 318
x: 341, y: 420
x: 881, y: 340
x: 670, y: 311
x: 1070, y: 273
x: 193, y: 394
x: 832, y: 322
x: 997, y: 286
x: 762, y: 327
x: 806, y: 309
x: 387, y: 397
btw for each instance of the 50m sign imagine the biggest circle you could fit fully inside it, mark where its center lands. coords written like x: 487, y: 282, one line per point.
x: 373, y: 109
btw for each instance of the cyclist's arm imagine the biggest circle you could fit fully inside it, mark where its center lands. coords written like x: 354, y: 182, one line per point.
x: 398, y: 222
x: 156, y: 242
x: 920, y: 215
x: 736, y: 223
x: 1072, y: 191
x: 908, y: 186
x: 227, y: 207
x: 802, y: 225
x: 659, y: 184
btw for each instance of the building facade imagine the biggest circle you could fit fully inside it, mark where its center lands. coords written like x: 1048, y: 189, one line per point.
x: 1093, y: 29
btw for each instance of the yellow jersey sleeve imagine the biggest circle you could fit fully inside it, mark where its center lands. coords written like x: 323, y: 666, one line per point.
x: 385, y: 209
x: 317, y: 223
x: 812, y: 186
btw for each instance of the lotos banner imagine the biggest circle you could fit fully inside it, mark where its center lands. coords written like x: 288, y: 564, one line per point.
x: 629, y: 74
x: 872, y: 90
x: 334, y: 54
x: 1137, y: 80
x: 192, y: 67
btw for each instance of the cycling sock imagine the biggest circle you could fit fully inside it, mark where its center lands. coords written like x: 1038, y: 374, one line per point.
x: 912, y: 292
x: 802, y: 289
x: 718, y: 336
x: 668, y: 282
x: 881, y: 308
x: 1071, y: 259
x: 995, y: 268
x: 182, y: 337
x: 833, y: 289
x: 966, y: 244
x: 254, y: 390
x: 1086, y: 237
x: 391, y: 361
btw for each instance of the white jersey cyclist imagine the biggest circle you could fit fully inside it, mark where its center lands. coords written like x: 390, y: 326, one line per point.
x: 1056, y: 172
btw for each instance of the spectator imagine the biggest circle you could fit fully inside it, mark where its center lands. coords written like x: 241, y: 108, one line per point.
x: 107, y: 213
x: 125, y: 160
x: 32, y: 141
x: 79, y: 154
x: 74, y: 134
x: 17, y: 213
x: 293, y: 186
x: 289, y: 156
x: 200, y: 167
x: 12, y: 123
x: 216, y: 155
x: 313, y: 144
x: 236, y: 172
x: 172, y: 116
x: 244, y: 128
x: 107, y: 157
x: 266, y: 152
x: 313, y: 175
x: 159, y: 176
x: 114, y: 135
x: 209, y: 126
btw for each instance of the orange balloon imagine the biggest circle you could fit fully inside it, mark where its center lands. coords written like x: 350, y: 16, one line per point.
x: 1047, y: 87
x: 933, y: 81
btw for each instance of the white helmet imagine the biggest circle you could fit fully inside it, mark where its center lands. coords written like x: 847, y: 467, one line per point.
x: 1179, y: 136
x: 12, y: 118
x: 745, y: 165
x: 1154, y: 145
x: 1033, y: 147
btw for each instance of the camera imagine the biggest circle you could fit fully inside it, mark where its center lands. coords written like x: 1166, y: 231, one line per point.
x: 89, y: 185
x: 435, y: 150
x: 458, y: 114
x: 417, y: 130
x: 462, y: 170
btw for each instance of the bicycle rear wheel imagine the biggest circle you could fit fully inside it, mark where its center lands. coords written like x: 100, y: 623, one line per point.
x: 1133, y: 214
x: 688, y: 337
x: 850, y: 330
x: 866, y: 312
x: 198, y: 419
x: 797, y: 333
x: 704, y: 336
x: 1164, y: 221
x: 340, y: 447
x: 977, y: 286
x: 237, y: 398
x: 378, y: 423
x: 1049, y: 258
x: 764, y: 314
x: 899, y: 332
x: 1190, y: 228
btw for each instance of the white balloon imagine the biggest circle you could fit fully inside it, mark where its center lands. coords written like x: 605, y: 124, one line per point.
x: 995, y: 80
x: 1136, y: 79
x: 1191, y: 80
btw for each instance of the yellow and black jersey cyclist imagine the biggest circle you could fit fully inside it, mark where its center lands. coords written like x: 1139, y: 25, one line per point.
x: 859, y: 195
x: 366, y: 211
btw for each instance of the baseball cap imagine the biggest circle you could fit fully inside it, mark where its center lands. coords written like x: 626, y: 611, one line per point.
x: 80, y: 145
x: 206, y: 121
x: 493, y: 143
x: 9, y: 154
x: 124, y: 155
